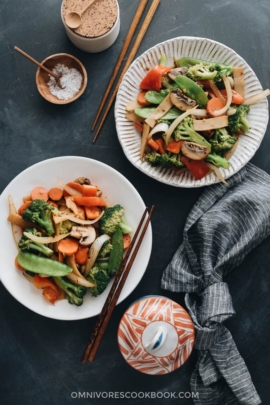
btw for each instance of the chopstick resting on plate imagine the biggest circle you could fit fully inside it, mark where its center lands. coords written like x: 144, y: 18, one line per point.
x: 128, y: 39
x: 137, y: 43
x: 118, y: 284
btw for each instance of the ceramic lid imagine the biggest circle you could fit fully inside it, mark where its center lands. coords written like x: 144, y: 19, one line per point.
x: 156, y: 335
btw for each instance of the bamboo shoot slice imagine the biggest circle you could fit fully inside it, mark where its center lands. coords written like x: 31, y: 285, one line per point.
x: 210, y: 123
x: 161, y: 110
x: 145, y: 135
x: 239, y: 80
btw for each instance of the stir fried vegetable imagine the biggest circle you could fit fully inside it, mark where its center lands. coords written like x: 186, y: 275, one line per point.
x: 195, y: 112
x: 62, y: 251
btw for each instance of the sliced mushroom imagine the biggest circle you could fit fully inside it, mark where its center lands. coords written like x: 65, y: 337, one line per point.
x: 180, y: 71
x: 194, y: 151
x: 82, y: 180
x: 86, y: 234
x: 181, y: 100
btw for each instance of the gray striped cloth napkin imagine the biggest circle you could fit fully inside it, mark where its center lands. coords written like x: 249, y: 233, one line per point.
x: 224, y: 225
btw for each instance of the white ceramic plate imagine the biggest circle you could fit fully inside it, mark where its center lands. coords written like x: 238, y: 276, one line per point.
x: 200, y: 48
x: 116, y: 189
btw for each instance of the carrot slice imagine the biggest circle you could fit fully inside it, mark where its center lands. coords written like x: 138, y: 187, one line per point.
x: 161, y: 146
x: 92, y: 212
x: 68, y: 246
x: 89, y: 201
x: 55, y: 194
x: 18, y: 267
x: 127, y: 240
x: 23, y: 207
x: 52, y: 203
x: 39, y: 193
x: 89, y: 191
x: 174, y: 146
x: 236, y: 97
x: 81, y: 255
x: 141, y: 98
x: 138, y: 126
x: 50, y: 294
x: 213, y: 105
x: 153, y: 144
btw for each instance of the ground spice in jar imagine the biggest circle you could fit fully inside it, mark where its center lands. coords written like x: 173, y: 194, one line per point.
x: 71, y: 82
x: 97, y: 20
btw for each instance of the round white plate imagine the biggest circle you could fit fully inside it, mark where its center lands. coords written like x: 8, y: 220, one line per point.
x: 116, y: 190
x: 200, y: 48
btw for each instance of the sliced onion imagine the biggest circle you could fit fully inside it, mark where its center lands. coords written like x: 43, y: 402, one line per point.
x: 94, y: 251
x: 177, y: 121
x: 229, y: 98
x: 257, y: 98
x: 227, y: 155
x: 16, y: 230
x: 161, y: 127
x: 216, y: 91
x: 71, y: 205
x: 217, y: 172
x: 70, y: 261
x: 45, y: 239
x: 200, y: 112
x: 60, y: 218
x: 231, y: 111
x: 79, y: 280
x: 68, y: 189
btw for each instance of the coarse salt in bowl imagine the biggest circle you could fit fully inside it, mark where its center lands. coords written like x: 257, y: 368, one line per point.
x: 100, y: 24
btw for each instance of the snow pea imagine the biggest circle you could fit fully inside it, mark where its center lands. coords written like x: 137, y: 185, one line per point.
x: 191, y: 62
x: 145, y: 112
x: 156, y: 97
x: 42, y: 265
x: 192, y: 90
x: 116, y: 255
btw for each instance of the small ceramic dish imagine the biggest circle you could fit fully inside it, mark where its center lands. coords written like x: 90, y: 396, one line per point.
x: 156, y: 335
x: 93, y: 44
x: 42, y: 77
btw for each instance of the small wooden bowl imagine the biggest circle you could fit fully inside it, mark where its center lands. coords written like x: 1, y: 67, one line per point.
x: 42, y: 77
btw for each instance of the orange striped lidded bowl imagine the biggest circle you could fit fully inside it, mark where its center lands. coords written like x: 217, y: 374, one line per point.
x: 156, y: 335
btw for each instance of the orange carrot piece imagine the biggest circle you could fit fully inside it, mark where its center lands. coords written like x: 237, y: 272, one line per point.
x: 89, y: 201
x: 55, y: 194
x: 214, y: 105
x: 236, y: 97
x: 127, y: 240
x: 52, y: 203
x: 141, y: 98
x: 68, y: 246
x: 39, y: 193
x: 153, y: 144
x: 18, y: 267
x: 89, y: 191
x: 76, y: 186
x: 23, y: 207
x: 138, y: 126
x: 174, y: 147
x: 60, y: 257
x: 161, y: 146
x: 81, y: 255
x: 50, y: 294
x: 92, y: 212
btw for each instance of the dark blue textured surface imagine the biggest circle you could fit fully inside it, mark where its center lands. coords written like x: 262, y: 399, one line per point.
x: 39, y: 357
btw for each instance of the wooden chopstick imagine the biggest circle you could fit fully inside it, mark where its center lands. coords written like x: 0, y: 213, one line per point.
x: 112, y: 298
x: 118, y: 291
x: 130, y: 58
x: 128, y: 39
x: 112, y: 290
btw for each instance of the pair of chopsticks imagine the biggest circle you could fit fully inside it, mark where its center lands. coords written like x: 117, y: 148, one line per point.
x: 115, y: 291
x: 142, y: 31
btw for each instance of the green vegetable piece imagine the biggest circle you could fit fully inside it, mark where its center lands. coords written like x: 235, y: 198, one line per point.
x: 42, y: 265
x: 222, y: 141
x: 27, y: 245
x: 145, y: 112
x: 191, y: 62
x: 217, y: 160
x: 156, y: 97
x: 162, y: 60
x: 102, y: 265
x: 117, y: 251
x: 192, y: 90
x: 74, y: 293
x: 40, y: 213
x: 185, y: 129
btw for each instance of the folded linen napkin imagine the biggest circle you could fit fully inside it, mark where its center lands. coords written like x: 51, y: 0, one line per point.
x: 224, y: 225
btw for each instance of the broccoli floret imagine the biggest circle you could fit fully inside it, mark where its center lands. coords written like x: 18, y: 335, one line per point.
x: 238, y: 121
x: 221, y: 70
x: 112, y: 219
x: 166, y: 159
x: 153, y: 158
x: 217, y: 160
x: 75, y: 293
x: 105, y: 250
x: 27, y: 245
x: 200, y: 72
x: 185, y: 131
x: 40, y: 212
x: 222, y: 141
x: 65, y: 226
x: 100, y: 278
